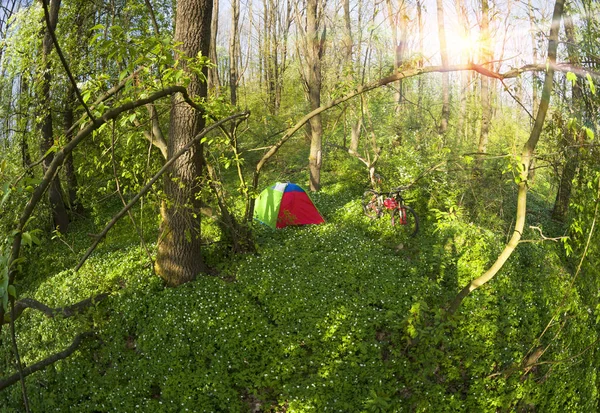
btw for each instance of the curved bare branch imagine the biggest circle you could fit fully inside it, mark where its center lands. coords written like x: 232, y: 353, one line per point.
x: 67, y: 311
x: 40, y: 365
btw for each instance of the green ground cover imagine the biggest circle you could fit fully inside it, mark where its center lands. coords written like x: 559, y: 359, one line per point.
x: 341, y: 317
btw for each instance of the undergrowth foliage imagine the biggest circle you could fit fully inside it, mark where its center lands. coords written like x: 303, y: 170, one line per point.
x: 341, y: 317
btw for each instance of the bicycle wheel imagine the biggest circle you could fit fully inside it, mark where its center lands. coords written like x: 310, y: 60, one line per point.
x: 370, y: 204
x: 405, y: 219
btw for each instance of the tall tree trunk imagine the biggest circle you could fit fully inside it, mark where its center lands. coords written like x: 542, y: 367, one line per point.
x: 214, y: 84
x: 463, y: 22
x: 57, y: 204
x: 23, y: 121
x: 534, y: 50
x: 420, y: 62
x: 179, y: 258
x: 356, y: 125
x: 313, y: 84
x: 486, y: 110
x: 571, y: 137
x: 397, y: 24
x: 443, y: 127
x: 70, y: 175
x: 233, y: 44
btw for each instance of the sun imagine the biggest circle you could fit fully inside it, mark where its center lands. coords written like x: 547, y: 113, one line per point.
x: 465, y: 47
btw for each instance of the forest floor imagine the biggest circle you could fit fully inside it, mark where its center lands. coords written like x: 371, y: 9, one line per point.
x: 345, y: 316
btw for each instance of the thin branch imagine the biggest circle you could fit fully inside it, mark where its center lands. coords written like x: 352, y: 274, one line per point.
x: 66, y: 312
x: 516, y: 99
x: 21, y: 373
x: 153, y: 17
x: 542, y: 236
x: 63, y: 60
x: 559, y: 67
x: 10, y: 380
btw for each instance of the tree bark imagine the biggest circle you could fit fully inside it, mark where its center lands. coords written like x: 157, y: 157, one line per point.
x: 534, y: 50
x: 71, y: 177
x: 526, y: 159
x: 313, y: 81
x: 443, y: 127
x: 486, y: 56
x: 571, y: 138
x: 179, y: 258
x: 233, y: 44
x: 463, y: 22
x: 397, y: 20
x: 214, y: 84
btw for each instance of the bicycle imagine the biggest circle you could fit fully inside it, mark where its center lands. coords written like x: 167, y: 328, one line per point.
x: 376, y: 203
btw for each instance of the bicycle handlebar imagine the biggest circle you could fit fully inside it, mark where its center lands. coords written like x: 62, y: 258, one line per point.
x: 398, y: 190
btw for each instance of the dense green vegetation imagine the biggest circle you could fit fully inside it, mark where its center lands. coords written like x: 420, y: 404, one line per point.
x: 348, y: 316
x: 342, y: 317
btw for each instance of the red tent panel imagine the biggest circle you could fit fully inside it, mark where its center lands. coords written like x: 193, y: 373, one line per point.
x: 296, y: 208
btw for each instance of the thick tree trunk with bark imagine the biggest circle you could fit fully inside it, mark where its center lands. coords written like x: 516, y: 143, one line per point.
x: 179, y: 257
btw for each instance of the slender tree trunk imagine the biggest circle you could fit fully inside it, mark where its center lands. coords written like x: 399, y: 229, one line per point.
x: 394, y: 20
x: 23, y: 120
x: 214, y: 85
x: 526, y: 159
x: 356, y: 125
x: 420, y: 62
x: 233, y: 42
x: 463, y: 22
x: 571, y: 138
x: 486, y: 111
x: 315, y: 51
x: 179, y: 258
x: 443, y: 127
x: 534, y: 50
x: 71, y: 178
x: 57, y: 204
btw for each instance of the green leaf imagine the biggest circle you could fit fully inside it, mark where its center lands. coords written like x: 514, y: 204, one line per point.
x: 589, y: 132
x: 591, y: 83
x: 571, y: 77
x: 6, y: 191
x: 12, y: 291
x: 27, y: 239
x: 86, y: 96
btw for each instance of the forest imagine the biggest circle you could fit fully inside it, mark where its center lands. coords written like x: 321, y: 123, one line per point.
x: 138, y: 136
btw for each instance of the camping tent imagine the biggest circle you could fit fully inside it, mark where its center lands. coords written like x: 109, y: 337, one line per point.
x: 286, y: 204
